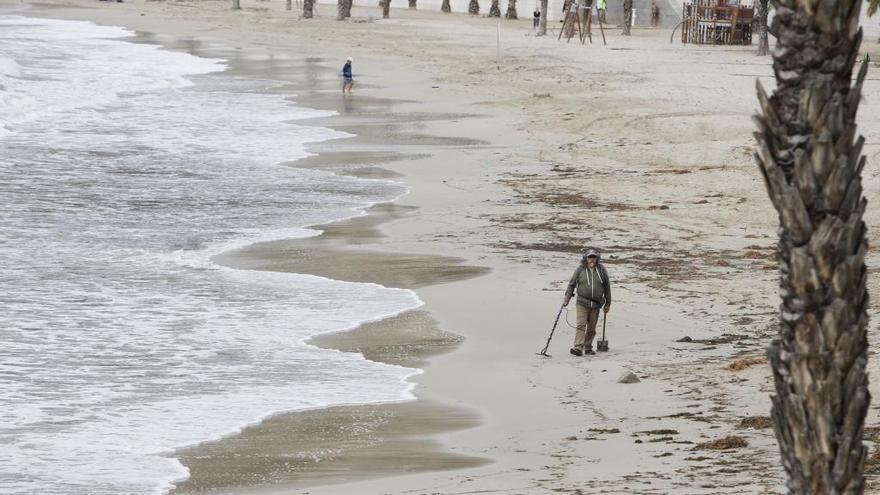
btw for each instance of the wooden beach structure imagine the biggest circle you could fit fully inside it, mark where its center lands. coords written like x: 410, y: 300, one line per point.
x: 714, y: 22
x: 579, y: 17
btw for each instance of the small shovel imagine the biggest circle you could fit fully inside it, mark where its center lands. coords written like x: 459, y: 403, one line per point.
x: 602, y: 344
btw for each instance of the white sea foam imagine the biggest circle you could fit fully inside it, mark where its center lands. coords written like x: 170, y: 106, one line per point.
x: 9, y: 67
x: 123, y: 169
x: 60, y: 48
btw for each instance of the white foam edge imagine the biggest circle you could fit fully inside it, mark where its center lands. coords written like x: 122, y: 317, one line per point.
x: 304, y: 232
x: 206, y: 255
x: 407, y: 395
x: 168, y: 486
x: 203, y: 258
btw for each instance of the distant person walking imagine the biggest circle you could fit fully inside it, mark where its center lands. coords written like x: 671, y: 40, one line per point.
x: 627, y: 16
x: 601, y: 5
x: 590, y: 280
x: 655, y: 14
x: 347, y: 80
x: 536, y: 18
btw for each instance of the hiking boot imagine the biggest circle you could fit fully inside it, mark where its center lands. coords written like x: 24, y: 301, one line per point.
x: 575, y: 351
x: 589, y: 350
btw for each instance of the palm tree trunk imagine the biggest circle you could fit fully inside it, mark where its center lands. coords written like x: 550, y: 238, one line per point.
x: 445, y: 7
x: 412, y: 4
x: 386, y: 8
x: 307, y: 9
x: 569, y: 26
x: 474, y: 7
x: 348, y: 4
x: 288, y: 5
x: 340, y: 10
x: 542, y: 24
x: 763, y: 44
x: 494, y: 9
x: 511, y: 10
x: 236, y: 4
x: 812, y: 169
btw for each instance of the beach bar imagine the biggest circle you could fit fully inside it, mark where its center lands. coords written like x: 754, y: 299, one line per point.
x: 710, y: 22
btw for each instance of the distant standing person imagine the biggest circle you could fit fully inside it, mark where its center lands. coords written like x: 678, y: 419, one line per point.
x: 590, y: 280
x: 347, y: 80
x: 536, y: 18
x: 627, y: 16
x: 655, y: 13
x: 600, y: 7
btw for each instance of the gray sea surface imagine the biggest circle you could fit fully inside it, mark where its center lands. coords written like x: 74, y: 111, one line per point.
x: 123, y: 168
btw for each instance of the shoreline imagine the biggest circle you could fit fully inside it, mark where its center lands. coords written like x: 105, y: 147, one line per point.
x: 407, y: 427
x: 402, y: 435
x: 573, y: 145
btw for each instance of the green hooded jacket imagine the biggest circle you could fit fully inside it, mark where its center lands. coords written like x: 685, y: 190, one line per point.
x: 593, y: 286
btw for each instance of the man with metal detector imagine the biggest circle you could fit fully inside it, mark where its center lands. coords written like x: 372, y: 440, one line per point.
x: 593, y: 293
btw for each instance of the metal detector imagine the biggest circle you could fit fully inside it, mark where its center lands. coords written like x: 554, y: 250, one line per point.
x: 544, y: 350
x: 602, y: 344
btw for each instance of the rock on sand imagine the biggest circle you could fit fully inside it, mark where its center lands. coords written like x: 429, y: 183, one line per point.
x: 628, y: 377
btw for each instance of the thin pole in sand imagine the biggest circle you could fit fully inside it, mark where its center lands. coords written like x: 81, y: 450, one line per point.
x: 498, y: 45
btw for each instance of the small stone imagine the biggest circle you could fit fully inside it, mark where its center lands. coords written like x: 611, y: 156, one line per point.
x: 685, y: 339
x: 628, y: 377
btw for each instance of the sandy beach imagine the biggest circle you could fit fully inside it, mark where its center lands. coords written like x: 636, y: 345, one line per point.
x: 516, y: 156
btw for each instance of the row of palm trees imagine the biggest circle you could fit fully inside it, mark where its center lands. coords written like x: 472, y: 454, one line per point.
x: 343, y: 8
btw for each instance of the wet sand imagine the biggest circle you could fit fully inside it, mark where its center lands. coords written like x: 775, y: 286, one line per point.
x: 343, y: 444
x: 338, y: 254
x: 328, y: 446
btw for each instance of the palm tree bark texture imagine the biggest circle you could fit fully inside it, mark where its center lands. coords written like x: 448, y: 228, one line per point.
x: 812, y: 164
x: 386, y: 8
x: 445, y: 7
x: 569, y: 27
x: 494, y: 9
x: 763, y: 43
x: 474, y: 7
x: 307, y: 9
x: 511, y: 10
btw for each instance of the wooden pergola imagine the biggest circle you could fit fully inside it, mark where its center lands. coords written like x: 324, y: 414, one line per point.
x: 710, y: 22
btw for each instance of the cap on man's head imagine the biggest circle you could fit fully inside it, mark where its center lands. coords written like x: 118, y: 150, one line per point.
x: 590, y: 253
x: 349, y: 59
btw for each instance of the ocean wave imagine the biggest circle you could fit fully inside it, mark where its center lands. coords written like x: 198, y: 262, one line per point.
x: 124, y: 168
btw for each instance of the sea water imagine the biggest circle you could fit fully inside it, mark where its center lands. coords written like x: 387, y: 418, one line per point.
x: 123, y: 168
